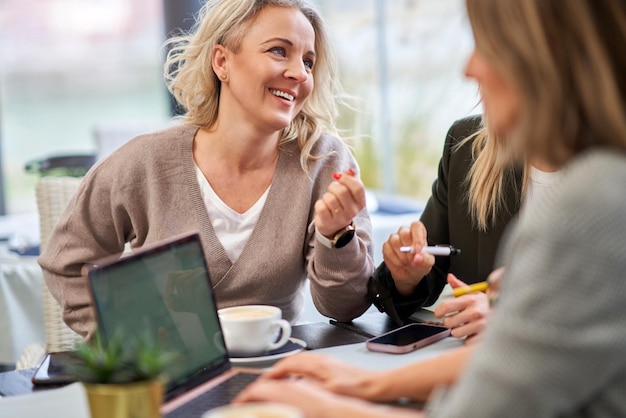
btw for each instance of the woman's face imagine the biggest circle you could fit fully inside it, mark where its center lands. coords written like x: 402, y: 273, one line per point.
x: 501, y: 102
x: 270, y: 77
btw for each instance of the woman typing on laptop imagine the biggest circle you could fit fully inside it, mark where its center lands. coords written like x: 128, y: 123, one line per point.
x: 555, y: 344
x: 255, y: 168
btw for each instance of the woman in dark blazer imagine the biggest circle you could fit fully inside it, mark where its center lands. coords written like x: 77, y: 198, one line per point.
x: 450, y: 217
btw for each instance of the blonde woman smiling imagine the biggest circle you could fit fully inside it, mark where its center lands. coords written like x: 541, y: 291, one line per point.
x: 255, y: 168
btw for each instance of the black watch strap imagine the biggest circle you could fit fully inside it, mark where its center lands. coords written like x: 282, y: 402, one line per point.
x: 345, y: 238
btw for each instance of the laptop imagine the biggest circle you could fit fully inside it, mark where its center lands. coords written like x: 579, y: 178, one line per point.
x: 165, y: 290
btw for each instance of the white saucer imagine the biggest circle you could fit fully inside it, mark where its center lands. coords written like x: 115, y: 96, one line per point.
x: 270, y: 357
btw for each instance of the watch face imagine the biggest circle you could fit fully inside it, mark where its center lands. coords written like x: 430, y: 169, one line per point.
x: 345, y: 238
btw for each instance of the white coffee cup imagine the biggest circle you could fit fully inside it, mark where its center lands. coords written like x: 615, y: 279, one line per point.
x: 253, y: 329
x: 255, y: 410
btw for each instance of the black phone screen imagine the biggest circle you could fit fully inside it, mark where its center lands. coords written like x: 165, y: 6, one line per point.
x: 409, y: 334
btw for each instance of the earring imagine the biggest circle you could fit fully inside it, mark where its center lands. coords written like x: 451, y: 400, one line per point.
x: 224, y: 76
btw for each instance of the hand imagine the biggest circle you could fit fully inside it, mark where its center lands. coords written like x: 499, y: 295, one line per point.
x: 344, y: 199
x: 315, y: 402
x: 408, y: 269
x: 312, y: 401
x: 466, y: 315
x: 330, y: 374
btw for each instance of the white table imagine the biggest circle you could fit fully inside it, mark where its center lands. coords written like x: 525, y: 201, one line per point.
x: 21, y: 305
x: 21, y: 281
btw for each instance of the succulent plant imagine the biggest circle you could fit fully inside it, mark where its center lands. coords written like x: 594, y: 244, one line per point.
x: 119, y: 360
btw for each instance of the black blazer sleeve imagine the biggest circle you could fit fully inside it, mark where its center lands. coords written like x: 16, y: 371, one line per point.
x: 447, y: 221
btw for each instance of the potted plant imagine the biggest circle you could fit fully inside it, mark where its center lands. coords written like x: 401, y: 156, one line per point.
x: 122, y: 376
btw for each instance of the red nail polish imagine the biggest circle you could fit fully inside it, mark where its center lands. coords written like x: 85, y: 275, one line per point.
x: 352, y: 172
x: 337, y: 176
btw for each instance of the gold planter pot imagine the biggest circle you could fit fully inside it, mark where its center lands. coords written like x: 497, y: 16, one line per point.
x: 127, y: 400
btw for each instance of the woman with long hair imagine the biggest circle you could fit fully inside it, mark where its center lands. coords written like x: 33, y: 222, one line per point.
x: 552, y: 83
x: 256, y: 168
x: 480, y: 188
x: 473, y: 200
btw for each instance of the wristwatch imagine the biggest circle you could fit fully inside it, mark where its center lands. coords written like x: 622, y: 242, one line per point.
x: 341, y: 238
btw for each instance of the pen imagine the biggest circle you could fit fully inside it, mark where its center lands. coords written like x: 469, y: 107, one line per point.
x: 473, y: 288
x: 440, y: 250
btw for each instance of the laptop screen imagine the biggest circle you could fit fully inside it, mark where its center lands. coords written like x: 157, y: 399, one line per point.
x: 164, y: 293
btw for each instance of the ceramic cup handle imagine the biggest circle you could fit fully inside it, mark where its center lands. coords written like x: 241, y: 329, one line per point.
x: 286, y: 334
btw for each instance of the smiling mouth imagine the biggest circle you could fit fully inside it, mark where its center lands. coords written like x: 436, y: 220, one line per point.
x: 282, y: 95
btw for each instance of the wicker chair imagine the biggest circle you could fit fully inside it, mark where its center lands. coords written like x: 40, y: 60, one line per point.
x: 53, y: 195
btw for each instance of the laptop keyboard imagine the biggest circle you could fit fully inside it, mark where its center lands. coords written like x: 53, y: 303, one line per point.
x: 221, y: 395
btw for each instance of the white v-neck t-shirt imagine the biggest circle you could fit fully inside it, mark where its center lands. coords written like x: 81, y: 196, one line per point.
x: 233, y: 229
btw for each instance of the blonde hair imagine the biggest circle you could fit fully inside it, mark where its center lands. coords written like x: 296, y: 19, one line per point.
x: 191, y: 80
x: 490, y: 177
x: 567, y: 62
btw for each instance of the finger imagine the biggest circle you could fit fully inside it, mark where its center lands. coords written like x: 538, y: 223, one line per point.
x: 322, y: 210
x: 460, y: 319
x: 332, y: 203
x: 455, y: 282
x: 345, y: 198
x: 453, y: 305
x: 405, y: 236
x: 304, y: 364
x: 469, y: 330
x: 262, y: 391
x: 418, y: 233
x: 356, y: 189
x: 421, y: 259
x: 391, y: 249
x: 392, y: 256
x: 470, y: 314
x: 408, y: 240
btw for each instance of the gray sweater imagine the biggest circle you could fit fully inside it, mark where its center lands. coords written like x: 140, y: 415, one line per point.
x: 147, y: 191
x: 556, y: 346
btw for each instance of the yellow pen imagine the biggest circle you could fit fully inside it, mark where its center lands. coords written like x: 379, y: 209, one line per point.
x: 476, y: 287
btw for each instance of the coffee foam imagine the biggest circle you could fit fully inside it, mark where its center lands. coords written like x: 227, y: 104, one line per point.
x: 251, y: 313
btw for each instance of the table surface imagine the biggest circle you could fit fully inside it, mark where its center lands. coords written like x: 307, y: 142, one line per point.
x: 21, y: 304
x: 72, y: 401
x: 358, y: 355
x: 18, y: 382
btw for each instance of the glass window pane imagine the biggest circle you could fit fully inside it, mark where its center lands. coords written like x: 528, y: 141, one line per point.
x: 68, y: 66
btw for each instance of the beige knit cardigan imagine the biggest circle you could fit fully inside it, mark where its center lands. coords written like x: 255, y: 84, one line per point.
x: 147, y: 191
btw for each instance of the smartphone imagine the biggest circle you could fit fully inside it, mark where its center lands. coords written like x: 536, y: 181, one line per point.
x: 53, y: 370
x: 407, y: 339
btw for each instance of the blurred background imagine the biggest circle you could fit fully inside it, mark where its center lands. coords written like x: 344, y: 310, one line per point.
x: 72, y: 68
x: 85, y: 76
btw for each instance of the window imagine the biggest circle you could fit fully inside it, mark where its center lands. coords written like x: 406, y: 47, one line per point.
x: 403, y: 60
x: 68, y: 66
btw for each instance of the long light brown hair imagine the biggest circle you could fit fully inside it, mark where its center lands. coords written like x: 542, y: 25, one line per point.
x: 491, y: 176
x: 192, y: 81
x: 567, y: 60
